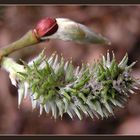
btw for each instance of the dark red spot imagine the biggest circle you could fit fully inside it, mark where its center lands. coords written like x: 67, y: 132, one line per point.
x: 46, y: 27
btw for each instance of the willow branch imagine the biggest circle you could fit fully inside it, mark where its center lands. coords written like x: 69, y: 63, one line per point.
x: 27, y: 40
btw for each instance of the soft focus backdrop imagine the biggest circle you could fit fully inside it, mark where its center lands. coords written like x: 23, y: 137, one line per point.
x: 121, y: 24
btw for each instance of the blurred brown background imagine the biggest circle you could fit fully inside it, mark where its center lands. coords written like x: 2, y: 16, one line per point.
x: 121, y: 24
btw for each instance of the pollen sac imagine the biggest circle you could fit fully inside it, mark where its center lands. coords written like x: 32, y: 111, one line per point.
x: 46, y: 27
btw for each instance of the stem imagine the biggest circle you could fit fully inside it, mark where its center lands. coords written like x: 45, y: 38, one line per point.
x: 27, y: 40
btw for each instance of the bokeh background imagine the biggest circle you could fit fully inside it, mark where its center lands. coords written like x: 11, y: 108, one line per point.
x: 121, y: 24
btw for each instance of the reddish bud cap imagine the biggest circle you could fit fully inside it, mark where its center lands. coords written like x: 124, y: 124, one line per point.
x: 46, y: 27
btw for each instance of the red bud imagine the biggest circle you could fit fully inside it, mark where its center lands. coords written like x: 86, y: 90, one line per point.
x: 46, y: 27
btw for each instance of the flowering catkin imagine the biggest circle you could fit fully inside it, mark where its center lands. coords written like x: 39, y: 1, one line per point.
x: 57, y: 87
